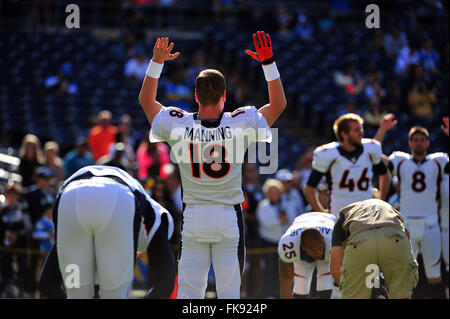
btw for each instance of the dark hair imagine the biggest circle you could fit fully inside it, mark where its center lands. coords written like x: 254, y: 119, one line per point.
x: 209, y: 87
x: 311, y: 234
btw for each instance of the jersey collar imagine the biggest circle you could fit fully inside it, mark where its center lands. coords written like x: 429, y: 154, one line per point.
x: 351, y: 156
x: 209, y: 123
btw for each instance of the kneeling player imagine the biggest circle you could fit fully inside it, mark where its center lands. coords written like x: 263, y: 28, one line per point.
x: 305, y: 246
x: 102, y: 216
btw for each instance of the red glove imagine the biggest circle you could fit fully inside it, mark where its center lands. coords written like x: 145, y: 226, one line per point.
x: 264, y: 52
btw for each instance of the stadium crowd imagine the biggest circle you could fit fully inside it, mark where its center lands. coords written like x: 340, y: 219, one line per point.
x: 412, y: 86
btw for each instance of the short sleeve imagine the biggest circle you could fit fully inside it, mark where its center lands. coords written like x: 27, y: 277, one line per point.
x: 263, y: 130
x: 162, y: 125
x: 322, y: 159
x: 289, y: 248
x: 375, y: 151
x: 441, y: 159
x: 395, y: 159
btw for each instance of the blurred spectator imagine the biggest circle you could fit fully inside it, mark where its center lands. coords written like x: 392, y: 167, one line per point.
x: 373, y: 116
x: 394, y: 97
x: 394, y: 42
x: 236, y: 92
x: 30, y: 154
x: 407, y: 56
x: 102, y: 135
x: 61, y: 84
x: 304, y: 167
x: 421, y: 100
x: 54, y: 162
x: 44, y: 231
x: 304, y: 29
x: 326, y: 22
x: 198, y: 65
x: 128, y: 154
x: 136, y: 67
x: 38, y: 196
x: 78, y: 157
x: 349, y: 107
x: 151, y: 158
x: 116, y: 158
x: 161, y: 193
x: 15, y: 225
x: 251, y: 283
x: 178, y: 92
x: 429, y: 57
x: 129, y: 44
x: 273, y: 222
x: 349, y: 79
x: 129, y: 135
x: 291, y: 200
x: 284, y: 20
x: 174, y: 184
x: 374, y: 90
x: 256, y: 20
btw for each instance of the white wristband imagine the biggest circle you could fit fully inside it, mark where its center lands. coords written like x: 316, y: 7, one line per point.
x: 271, y: 72
x: 154, y: 69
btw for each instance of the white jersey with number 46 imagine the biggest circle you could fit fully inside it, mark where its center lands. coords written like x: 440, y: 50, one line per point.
x: 210, y: 153
x: 349, y: 176
x: 419, y: 183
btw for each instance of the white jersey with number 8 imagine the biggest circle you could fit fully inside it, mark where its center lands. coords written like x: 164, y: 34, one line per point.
x: 419, y: 183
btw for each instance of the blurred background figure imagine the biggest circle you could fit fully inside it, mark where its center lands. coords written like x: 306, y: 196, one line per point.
x: 102, y: 135
x: 273, y: 222
x: 30, y: 159
x: 79, y: 157
x: 54, y: 162
x: 151, y: 158
x: 291, y: 200
x: 15, y: 227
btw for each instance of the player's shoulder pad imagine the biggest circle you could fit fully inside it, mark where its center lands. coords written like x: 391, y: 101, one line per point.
x: 439, y: 156
x: 398, y: 156
x: 372, y: 146
x: 246, y: 113
x: 324, y: 155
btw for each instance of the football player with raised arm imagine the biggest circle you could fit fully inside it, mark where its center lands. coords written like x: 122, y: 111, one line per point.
x: 203, y: 144
x: 348, y: 165
x: 420, y: 176
x: 303, y: 247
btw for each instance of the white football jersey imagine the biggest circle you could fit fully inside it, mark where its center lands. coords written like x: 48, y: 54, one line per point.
x: 290, y: 242
x: 349, y: 178
x: 210, y: 154
x: 444, y: 211
x: 419, y: 183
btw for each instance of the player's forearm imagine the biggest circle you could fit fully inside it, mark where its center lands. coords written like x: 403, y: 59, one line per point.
x: 385, y: 182
x: 379, y: 136
x: 310, y: 194
x: 336, y: 258
x: 147, y: 98
x: 286, y: 273
x: 277, y: 101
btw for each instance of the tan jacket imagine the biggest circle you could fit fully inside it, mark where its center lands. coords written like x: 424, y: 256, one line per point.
x: 370, y: 214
